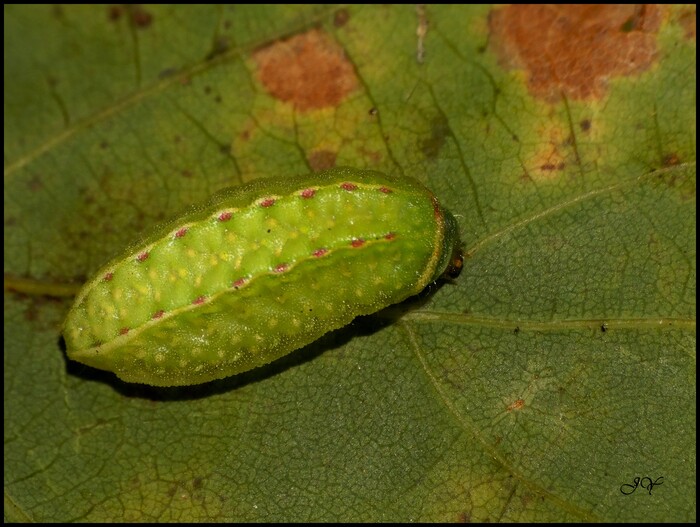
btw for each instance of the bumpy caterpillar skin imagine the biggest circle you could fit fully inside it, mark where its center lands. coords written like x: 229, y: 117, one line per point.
x: 258, y: 271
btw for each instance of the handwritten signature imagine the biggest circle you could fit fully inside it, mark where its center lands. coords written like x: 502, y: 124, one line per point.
x: 645, y: 483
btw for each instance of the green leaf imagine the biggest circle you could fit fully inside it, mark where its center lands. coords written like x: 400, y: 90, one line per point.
x: 555, y: 370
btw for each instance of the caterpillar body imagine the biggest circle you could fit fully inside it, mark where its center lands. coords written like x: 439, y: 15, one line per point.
x: 258, y: 271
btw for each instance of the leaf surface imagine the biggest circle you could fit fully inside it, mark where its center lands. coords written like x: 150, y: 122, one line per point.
x: 557, y: 368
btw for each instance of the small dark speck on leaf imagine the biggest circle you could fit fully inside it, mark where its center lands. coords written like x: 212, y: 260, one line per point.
x: 167, y: 72
x: 220, y: 46
x: 341, y: 17
x: 627, y: 26
x: 140, y: 17
x: 115, y: 12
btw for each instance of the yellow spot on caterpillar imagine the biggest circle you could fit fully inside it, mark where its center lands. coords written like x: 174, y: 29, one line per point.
x: 159, y: 357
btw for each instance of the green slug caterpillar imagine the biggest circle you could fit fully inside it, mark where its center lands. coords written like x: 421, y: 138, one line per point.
x: 258, y: 271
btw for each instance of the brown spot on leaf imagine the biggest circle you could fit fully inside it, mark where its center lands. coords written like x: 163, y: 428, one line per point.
x: 322, y: 160
x: 585, y: 125
x: 671, y: 160
x: 688, y: 21
x: 464, y: 517
x: 341, y: 17
x: 35, y: 184
x: 309, y: 71
x: 57, y: 11
x: 574, y: 49
x: 139, y: 17
x: 246, y: 132
x: 549, y: 160
x: 518, y: 404
x: 114, y: 12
